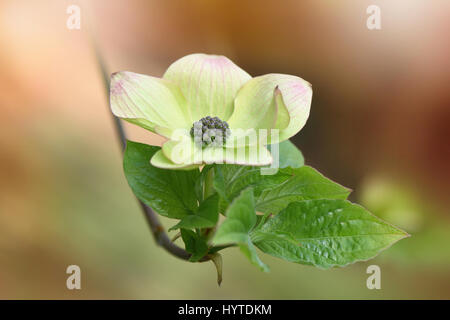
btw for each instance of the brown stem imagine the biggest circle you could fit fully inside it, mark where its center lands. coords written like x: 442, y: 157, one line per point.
x: 155, y: 225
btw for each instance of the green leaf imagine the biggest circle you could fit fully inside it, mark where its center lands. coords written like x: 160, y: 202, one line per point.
x: 169, y: 192
x: 274, y: 192
x: 194, y: 244
x: 216, y: 259
x: 288, y: 154
x: 325, y: 233
x: 261, y: 219
x: 205, y: 217
x: 303, y: 183
x: 249, y: 250
x: 240, y: 219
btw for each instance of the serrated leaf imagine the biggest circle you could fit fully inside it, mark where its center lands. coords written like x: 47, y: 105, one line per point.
x: 288, y: 154
x: 274, y: 192
x: 194, y: 244
x: 249, y: 250
x: 325, y: 233
x: 169, y: 192
x: 240, y: 219
x: 303, y: 183
x: 206, y: 215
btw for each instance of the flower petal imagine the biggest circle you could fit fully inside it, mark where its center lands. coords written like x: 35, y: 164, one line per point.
x: 256, y: 155
x: 159, y: 160
x: 148, y: 102
x: 276, y: 101
x: 209, y: 83
x: 181, y: 150
x: 186, y: 152
x: 283, y: 118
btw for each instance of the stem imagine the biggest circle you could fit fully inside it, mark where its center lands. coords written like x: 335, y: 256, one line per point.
x: 159, y: 234
x: 218, y: 248
x: 208, y: 191
x: 209, y: 180
x: 157, y: 229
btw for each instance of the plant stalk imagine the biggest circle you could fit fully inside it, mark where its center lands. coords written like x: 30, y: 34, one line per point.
x: 209, y: 180
x: 157, y: 229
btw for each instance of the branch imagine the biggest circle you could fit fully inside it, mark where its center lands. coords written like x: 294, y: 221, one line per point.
x: 155, y: 225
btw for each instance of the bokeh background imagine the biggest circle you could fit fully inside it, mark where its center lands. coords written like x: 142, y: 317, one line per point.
x: 380, y: 124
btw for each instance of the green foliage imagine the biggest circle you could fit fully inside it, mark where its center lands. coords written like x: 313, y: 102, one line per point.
x: 195, y: 244
x: 295, y: 214
x: 206, y: 215
x: 289, y: 155
x: 241, y: 218
x: 325, y: 233
x: 274, y: 192
x: 168, y: 192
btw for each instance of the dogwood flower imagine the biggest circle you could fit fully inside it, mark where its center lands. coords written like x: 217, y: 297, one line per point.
x: 212, y: 111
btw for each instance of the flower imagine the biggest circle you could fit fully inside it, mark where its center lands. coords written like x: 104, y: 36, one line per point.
x: 212, y: 111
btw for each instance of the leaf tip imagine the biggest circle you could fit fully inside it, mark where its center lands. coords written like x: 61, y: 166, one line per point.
x: 216, y: 258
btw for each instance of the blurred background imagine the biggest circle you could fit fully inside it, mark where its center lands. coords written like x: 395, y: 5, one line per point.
x: 379, y: 124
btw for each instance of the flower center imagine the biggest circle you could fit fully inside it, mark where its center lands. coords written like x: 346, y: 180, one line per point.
x: 210, y: 131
